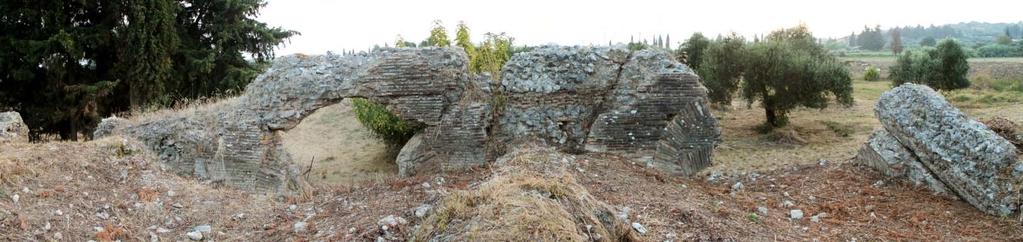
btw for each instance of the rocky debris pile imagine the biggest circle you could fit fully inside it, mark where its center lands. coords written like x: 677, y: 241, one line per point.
x: 531, y: 196
x: 1007, y: 129
x: 12, y: 128
x: 637, y: 103
x: 108, y: 126
x: 928, y: 141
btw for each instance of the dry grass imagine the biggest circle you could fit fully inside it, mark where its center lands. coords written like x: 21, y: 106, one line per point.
x: 531, y: 197
x: 184, y: 108
x: 94, y: 190
x: 833, y: 134
x: 342, y: 151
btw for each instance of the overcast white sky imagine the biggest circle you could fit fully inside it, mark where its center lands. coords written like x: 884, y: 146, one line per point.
x: 333, y: 25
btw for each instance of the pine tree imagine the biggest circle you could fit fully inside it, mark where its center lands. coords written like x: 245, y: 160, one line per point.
x: 65, y: 64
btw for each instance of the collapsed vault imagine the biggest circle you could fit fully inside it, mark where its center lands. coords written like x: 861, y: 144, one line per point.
x: 640, y: 103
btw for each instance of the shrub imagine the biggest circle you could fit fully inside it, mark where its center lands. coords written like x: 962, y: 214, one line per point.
x: 997, y: 50
x: 382, y: 122
x: 942, y: 68
x: 872, y: 74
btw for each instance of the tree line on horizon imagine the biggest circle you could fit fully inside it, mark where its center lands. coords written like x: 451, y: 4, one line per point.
x: 977, y: 39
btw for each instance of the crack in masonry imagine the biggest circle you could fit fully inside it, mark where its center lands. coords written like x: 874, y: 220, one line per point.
x: 602, y: 105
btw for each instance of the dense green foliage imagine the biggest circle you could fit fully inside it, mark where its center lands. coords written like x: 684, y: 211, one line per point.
x: 998, y: 50
x: 462, y: 40
x: 691, y: 52
x: 871, y: 39
x: 928, y: 42
x: 787, y: 69
x: 65, y: 64
x: 382, y: 122
x: 967, y: 33
x: 438, y: 36
x: 722, y: 67
x: 943, y: 67
x: 493, y: 53
x: 872, y: 74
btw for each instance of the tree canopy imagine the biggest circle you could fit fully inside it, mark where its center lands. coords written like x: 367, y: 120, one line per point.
x: 789, y: 69
x: 691, y: 52
x: 65, y: 64
x: 722, y: 68
x: 943, y: 67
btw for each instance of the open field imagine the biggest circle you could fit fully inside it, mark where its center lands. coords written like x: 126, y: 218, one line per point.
x: 834, y: 133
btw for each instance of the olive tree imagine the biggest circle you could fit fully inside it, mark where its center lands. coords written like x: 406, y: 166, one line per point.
x: 721, y: 68
x: 789, y: 69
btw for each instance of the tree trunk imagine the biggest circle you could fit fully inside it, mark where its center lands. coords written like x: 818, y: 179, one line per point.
x: 772, y: 118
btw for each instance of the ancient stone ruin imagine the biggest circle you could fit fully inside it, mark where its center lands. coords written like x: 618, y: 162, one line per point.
x: 930, y: 142
x: 637, y: 103
x: 12, y: 128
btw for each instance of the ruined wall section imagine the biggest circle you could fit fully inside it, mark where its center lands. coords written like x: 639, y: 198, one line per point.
x: 239, y: 143
x: 636, y: 103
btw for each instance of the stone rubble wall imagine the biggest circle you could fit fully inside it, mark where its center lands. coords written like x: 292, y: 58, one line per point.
x: 642, y: 104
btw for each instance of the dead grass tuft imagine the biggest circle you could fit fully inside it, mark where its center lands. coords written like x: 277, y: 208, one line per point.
x: 111, y: 233
x: 530, y: 197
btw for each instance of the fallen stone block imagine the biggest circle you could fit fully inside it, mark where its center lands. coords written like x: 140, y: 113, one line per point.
x: 885, y: 154
x: 971, y: 160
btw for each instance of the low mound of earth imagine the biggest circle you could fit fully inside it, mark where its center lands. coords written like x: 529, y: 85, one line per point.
x: 110, y: 189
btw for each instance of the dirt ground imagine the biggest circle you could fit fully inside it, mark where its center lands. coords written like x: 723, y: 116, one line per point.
x: 110, y: 189
x: 101, y: 191
x: 341, y: 149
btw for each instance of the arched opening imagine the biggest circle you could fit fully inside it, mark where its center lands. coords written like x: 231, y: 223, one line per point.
x: 336, y: 149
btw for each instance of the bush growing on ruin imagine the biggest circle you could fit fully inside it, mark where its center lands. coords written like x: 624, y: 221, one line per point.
x: 722, y: 67
x: 790, y: 69
x: 942, y: 68
x: 438, y: 36
x: 382, y: 122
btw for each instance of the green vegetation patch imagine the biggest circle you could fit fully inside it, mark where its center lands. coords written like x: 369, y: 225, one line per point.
x: 383, y: 122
